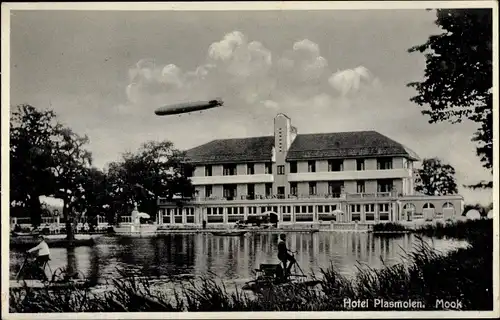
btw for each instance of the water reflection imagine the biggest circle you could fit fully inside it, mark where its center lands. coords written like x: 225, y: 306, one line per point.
x: 231, y: 258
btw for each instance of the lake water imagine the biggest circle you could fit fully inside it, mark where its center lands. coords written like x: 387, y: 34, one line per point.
x: 231, y: 258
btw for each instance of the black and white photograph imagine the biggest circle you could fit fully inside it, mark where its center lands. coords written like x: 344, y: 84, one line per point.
x: 250, y: 160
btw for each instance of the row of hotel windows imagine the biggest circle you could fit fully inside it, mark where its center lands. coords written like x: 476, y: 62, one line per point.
x: 333, y: 165
x: 383, y: 209
x: 230, y: 169
x: 284, y: 209
x: 334, y: 187
x: 369, y: 209
x: 178, y: 211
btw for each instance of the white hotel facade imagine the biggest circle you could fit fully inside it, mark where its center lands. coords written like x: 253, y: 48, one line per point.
x: 329, y: 178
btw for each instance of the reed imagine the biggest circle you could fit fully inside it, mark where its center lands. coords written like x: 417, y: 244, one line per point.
x: 464, y: 274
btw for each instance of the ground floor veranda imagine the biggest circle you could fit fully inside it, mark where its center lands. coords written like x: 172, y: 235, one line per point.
x: 307, y: 211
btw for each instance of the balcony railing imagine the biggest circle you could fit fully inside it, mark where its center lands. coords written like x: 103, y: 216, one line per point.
x: 271, y: 197
x: 347, y: 196
x: 371, y: 195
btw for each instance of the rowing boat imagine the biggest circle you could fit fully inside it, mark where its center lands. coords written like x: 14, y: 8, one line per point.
x: 268, y: 277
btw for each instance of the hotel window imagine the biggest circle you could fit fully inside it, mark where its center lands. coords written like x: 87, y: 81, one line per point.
x: 251, y: 190
x: 335, y: 187
x: 281, y: 191
x: 269, y: 168
x: 229, y: 191
x: 409, y: 164
x: 320, y: 209
x: 383, y: 209
x: 310, y: 209
x: 250, y: 168
x: 312, y: 188
x: 208, y: 171
x: 269, y: 189
x: 335, y: 165
x: 293, y: 167
x: 242, y: 210
x: 384, y: 185
x: 360, y: 187
x: 281, y: 170
x: 384, y: 164
x: 229, y: 170
x: 355, y: 212
x: 360, y: 164
x: 311, y: 166
x: 208, y: 191
x: 293, y: 188
x: 370, y: 212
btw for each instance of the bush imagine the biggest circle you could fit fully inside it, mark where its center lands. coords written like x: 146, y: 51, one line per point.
x: 389, y: 227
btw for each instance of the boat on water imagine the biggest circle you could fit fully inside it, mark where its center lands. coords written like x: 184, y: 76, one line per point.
x: 229, y: 233
x: 270, y: 276
x: 137, y: 224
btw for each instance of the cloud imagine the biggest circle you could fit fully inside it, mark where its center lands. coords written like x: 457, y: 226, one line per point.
x: 270, y: 104
x: 224, y: 49
x: 303, y: 63
x: 350, y: 81
x: 245, y: 73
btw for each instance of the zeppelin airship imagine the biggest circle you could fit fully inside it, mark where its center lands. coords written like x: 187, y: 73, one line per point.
x: 187, y: 107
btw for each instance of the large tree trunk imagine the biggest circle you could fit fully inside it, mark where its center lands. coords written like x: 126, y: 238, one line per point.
x: 35, y: 209
x: 70, y: 235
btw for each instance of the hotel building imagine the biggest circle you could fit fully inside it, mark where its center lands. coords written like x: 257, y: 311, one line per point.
x: 318, y: 178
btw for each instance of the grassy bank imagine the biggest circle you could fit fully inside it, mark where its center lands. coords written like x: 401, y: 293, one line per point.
x: 464, y: 275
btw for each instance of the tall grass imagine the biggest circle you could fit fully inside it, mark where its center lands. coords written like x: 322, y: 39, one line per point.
x: 464, y: 274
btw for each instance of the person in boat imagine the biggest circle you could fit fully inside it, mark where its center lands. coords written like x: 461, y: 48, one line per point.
x: 43, y: 253
x: 284, y: 255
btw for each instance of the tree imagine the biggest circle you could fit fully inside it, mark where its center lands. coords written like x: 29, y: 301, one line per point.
x: 155, y: 170
x: 95, y: 198
x: 31, y: 148
x: 70, y: 164
x: 459, y: 76
x: 435, y: 178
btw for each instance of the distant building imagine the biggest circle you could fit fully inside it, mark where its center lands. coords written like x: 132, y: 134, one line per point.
x: 306, y: 178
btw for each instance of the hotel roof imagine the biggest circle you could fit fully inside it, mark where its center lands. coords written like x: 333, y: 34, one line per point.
x: 357, y: 144
x: 255, y: 149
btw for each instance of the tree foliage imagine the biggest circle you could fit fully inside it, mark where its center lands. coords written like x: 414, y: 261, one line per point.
x: 155, y: 170
x: 70, y: 163
x: 459, y: 75
x: 483, y: 210
x: 47, y: 159
x: 31, y: 148
x: 435, y: 178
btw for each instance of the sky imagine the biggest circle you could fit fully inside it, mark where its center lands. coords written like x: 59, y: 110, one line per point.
x: 105, y: 72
